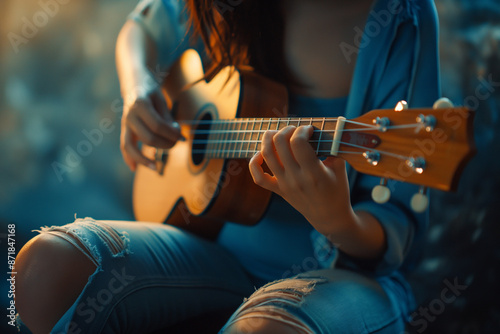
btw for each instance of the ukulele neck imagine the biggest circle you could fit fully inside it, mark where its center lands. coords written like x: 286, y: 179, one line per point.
x: 242, y: 138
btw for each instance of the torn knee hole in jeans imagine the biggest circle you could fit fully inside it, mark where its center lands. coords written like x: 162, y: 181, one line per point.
x: 116, y: 242
x: 266, y: 302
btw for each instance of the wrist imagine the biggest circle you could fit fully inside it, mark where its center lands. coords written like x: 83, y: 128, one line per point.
x: 361, y: 236
x: 139, y: 84
x: 342, y: 226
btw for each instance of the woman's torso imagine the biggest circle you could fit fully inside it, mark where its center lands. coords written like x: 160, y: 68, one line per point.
x: 280, y: 245
x: 313, y: 32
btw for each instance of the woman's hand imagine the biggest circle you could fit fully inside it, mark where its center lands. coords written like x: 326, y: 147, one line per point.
x: 146, y: 118
x: 319, y: 190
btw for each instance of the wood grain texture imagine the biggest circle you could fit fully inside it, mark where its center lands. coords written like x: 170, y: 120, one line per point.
x: 446, y: 149
x: 201, y: 196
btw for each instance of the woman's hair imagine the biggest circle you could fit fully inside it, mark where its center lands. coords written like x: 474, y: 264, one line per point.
x: 240, y: 33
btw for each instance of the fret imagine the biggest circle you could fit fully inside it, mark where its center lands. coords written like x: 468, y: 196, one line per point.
x: 218, y: 139
x: 231, y: 138
x: 210, y: 143
x: 236, y: 137
x: 320, y: 135
x: 249, y: 140
x: 278, y: 124
x: 239, y: 142
x: 261, y: 135
x: 233, y: 135
x: 244, y: 133
x: 225, y: 145
x: 221, y: 139
x: 258, y: 139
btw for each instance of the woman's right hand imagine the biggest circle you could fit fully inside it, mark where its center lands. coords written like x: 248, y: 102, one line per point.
x: 146, y: 118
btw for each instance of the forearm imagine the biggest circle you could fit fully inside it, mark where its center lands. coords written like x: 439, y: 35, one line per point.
x: 135, y: 53
x: 363, y: 236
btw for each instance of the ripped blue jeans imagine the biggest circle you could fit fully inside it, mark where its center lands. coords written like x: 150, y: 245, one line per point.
x: 152, y: 276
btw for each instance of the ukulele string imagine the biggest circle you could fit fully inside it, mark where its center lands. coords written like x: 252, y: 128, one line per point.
x: 240, y: 153
x: 369, y: 128
x: 233, y: 151
x: 269, y: 121
x: 236, y: 151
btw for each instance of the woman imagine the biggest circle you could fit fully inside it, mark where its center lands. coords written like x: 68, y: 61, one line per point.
x: 333, y: 259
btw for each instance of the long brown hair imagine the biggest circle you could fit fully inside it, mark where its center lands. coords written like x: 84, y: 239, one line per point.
x: 241, y: 33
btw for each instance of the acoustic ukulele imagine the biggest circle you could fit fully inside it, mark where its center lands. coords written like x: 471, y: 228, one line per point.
x: 204, y: 181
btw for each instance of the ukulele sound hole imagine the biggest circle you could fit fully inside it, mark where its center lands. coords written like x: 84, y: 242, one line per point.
x: 200, y: 139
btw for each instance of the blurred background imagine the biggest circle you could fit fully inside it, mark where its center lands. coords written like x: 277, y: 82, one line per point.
x: 59, y: 144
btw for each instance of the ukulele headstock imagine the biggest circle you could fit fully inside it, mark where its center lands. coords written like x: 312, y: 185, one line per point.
x: 425, y: 146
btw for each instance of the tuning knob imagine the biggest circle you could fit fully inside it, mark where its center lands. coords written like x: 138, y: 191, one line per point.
x: 380, y: 193
x: 442, y: 103
x: 401, y: 105
x: 420, y: 201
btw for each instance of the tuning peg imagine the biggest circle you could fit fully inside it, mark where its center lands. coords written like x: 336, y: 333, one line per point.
x: 380, y: 193
x: 402, y: 105
x: 442, y: 103
x: 420, y: 201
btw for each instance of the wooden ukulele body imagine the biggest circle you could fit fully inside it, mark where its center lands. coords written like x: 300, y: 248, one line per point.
x: 194, y: 192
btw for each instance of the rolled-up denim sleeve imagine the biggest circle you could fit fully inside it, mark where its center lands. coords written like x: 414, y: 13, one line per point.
x: 166, y: 23
x: 402, y: 226
x: 403, y: 229
x: 399, y: 231
x: 406, y: 68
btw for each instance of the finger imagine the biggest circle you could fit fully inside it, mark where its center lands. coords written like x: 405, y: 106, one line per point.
x: 303, y: 152
x: 336, y: 164
x: 160, y: 105
x: 269, y: 153
x: 151, y: 117
x: 145, y: 135
x: 260, y: 177
x: 131, y: 153
x: 124, y: 141
x: 282, y: 144
x: 126, y: 156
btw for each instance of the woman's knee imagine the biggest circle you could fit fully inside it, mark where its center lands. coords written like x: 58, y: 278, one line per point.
x: 274, y: 308
x: 261, y: 323
x: 51, y: 273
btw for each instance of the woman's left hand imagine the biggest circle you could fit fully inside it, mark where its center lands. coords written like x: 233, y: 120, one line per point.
x: 319, y: 190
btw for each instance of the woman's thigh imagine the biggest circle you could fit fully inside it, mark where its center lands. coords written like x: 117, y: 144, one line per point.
x: 148, y: 276
x: 321, y: 302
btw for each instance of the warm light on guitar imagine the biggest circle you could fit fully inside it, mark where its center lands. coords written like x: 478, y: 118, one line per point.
x: 206, y: 177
